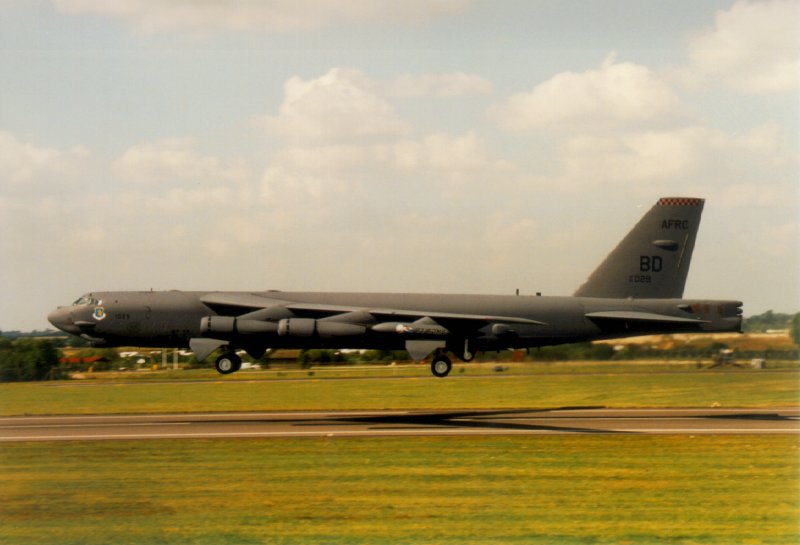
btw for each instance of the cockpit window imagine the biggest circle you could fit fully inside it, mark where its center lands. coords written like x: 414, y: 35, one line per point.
x: 85, y: 300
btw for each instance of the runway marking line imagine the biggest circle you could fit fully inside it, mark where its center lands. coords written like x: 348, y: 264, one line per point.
x: 116, y: 425
x: 357, y: 433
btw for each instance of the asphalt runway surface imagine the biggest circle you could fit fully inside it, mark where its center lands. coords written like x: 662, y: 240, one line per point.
x: 565, y: 420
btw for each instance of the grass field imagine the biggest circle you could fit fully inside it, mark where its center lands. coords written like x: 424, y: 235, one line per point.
x: 687, y: 389
x: 551, y: 490
x: 523, y: 490
x: 422, y: 370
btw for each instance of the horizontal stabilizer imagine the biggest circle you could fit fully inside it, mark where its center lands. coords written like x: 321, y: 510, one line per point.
x: 636, y: 316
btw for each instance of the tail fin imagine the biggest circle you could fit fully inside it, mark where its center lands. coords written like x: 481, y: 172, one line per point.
x: 652, y: 261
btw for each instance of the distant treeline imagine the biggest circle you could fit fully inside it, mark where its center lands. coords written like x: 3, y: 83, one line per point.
x: 34, y: 359
x: 604, y: 352
x: 36, y: 334
x: 769, y: 320
x: 29, y: 359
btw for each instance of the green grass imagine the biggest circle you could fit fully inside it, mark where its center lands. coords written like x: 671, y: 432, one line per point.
x: 691, y: 389
x: 522, y: 490
x: 423, y: 370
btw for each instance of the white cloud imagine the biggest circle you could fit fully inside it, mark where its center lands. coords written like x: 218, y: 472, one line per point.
x: 444, y: 153
x: 93, y: 240
x: 340, y: 126
x: 346, y: 106
x: 172, y: 161
x: 753, y: 47
x: 750, y: 194
x: 22, y: 162
x: 341, y: 105
x: 299, y: 174
x: 648, y: 156
x: 194, y: 200
x: 698, y: 155
x: 440, y: 85
x: 615, y: 94
x: 236, y: 235
x: 292, y: 190
x: 258, y: 16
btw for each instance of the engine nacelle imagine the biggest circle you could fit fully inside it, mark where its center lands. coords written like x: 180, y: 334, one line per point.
x: 500, y: 330
x: 227, y: 325
x: 254, y: 327
x: 297, y: 327
x: 339, y: 329
x: 217, y: 324
x: 308, y: 327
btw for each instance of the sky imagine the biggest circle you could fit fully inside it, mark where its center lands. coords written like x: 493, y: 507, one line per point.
x: 436, y: 146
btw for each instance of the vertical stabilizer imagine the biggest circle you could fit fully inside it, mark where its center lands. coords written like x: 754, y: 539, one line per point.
x: 652, y: 261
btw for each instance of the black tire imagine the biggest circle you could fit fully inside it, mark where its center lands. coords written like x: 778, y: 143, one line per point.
x: 441, y: 366
x: 228, y: 363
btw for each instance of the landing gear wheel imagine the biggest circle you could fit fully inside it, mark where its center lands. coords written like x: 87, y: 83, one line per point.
x: 441, y: 365
x: 228, y: 363
x: 463, y: 350
x: 468, y: 354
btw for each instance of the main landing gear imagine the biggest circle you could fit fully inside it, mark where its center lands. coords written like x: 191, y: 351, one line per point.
x: 227, y: 363
x: 441, y: 365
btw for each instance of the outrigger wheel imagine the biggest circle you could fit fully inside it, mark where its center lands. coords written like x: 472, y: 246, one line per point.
x: 228, y: 363
x: 441, y: 365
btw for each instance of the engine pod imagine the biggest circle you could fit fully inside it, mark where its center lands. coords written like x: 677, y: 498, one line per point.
x: 297, y: 327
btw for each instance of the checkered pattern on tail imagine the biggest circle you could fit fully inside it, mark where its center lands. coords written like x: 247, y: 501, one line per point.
x: 679, y: 201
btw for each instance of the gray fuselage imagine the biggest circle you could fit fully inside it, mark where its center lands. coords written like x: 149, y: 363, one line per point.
x: 636, y: 290
x: 173, y: 318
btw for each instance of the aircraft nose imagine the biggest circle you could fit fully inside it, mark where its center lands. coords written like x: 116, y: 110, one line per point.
x: 62, y: 319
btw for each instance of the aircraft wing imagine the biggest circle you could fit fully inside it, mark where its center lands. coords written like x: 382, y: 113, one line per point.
x: 638, y: 316
x: 262, y: 305
x: 223, y: 301
x: 425, y: 329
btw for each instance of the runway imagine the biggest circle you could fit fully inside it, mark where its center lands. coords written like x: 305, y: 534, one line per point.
x: 565, y: 420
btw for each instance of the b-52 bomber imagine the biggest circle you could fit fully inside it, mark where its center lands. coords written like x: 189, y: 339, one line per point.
x: 636, y: 290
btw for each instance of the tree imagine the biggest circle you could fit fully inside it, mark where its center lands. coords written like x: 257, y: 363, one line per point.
x: 795, y: 329
x: 767, y: 320
x: 28, y: 359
